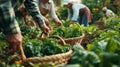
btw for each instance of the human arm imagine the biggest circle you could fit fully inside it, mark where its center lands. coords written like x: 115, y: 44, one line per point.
x: 75, y: 14
x: 10, y: 28
x: 70, y: 16
x: 33, y: 9
x: 53, y: 14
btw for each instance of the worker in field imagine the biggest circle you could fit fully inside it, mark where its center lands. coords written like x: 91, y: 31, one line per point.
x: 10, y: 26
x: 78, y: 12
x: 46, y: 7
x: 108, y: 13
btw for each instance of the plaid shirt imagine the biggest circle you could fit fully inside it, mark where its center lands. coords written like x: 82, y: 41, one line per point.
x: 7, y: 14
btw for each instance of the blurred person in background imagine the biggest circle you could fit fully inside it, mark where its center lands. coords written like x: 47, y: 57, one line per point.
x: 108, y: 13
x: 78, y: 12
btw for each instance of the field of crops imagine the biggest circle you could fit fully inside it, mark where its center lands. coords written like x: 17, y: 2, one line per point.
x: 102, y: 50
x: 71, y: 44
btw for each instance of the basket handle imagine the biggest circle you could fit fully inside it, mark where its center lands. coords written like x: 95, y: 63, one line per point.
x: 58, y: 37
x: 53, y: 36
x: 41, y: 35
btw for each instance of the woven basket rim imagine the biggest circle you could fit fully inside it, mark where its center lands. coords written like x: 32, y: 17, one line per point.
x: 51, y: 56
x: 83, y: 35
x: 72, y: 38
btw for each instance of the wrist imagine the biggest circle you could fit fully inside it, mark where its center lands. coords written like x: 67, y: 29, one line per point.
x: 56, y: 20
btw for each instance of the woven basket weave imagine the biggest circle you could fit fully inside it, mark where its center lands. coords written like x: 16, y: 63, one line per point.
x: 57, y: 59
x: 73, y: 40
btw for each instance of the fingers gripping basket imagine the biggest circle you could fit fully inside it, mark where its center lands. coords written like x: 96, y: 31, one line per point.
x: 61, y: 58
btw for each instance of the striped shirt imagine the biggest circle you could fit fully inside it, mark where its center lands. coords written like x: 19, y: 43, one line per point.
x: 7, y: 13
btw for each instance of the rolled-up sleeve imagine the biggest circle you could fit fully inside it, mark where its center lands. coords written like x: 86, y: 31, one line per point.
x: 52, y: 11
x: 33, y: 9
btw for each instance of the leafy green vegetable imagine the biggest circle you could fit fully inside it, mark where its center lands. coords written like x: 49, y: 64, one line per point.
x: 32, y: 49
x: 68, y: 32
x: 30, y: 30
x: 50, y: 46
x: 83, y: 57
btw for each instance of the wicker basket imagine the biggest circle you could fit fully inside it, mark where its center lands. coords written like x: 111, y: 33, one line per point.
x: 70, y: 41
x: 57, y: 59
x: 61, y: 58
x: 73, y: 40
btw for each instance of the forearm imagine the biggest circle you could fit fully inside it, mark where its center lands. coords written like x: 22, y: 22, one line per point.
x: 56, y: 20
x: 32, y: 8
x: 52, y: 12
x: 75, y: 15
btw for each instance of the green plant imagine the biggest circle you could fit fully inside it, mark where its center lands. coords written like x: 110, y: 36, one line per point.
x: 30, y: 30
x: 62, y: 13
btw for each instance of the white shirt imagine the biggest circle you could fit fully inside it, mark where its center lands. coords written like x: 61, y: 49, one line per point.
x: 50, y: 7
x: 109, y: 13
x: 75, y: 8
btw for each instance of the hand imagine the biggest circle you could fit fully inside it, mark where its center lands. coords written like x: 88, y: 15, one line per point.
x: 27, y: 20
x: 47, y: 23
x: 59, y: 23
x: 15, y: 41
x: 45, y: 29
